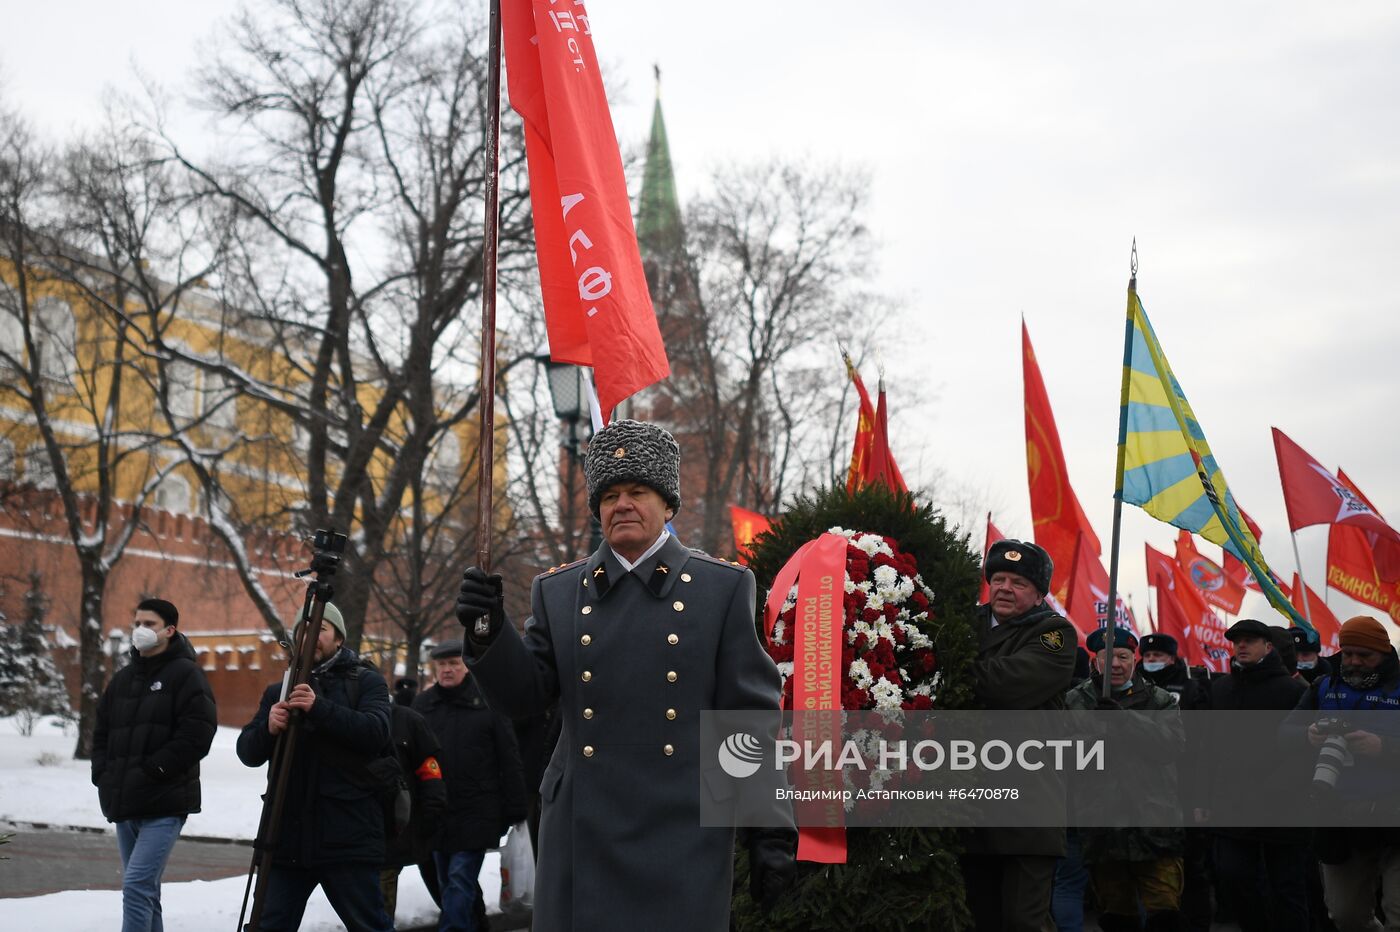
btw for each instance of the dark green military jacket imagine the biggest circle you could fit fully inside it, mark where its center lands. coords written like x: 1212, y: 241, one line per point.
x: 1026, y: 662
x: 1154, y: 774
x: 1023, y: 663
x: 633, y: 658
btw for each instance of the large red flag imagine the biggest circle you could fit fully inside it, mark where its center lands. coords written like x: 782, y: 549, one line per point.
x: 883, y: 469
x: 1351, y: 564
x: 1313, y: 495
x: 747, y: 525
x: 1316, y: 610
x: 597, y: 308
x: 993, y: 535
x: 1171, y: 616
x: 1087, y: 605
x: 865, y: 431
x: 1055, y: 511
x: 1184, y: 614
x: 1209, y: 579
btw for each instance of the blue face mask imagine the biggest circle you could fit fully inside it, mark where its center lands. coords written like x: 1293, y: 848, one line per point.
x: 1154, y: 666
x: 1307, y: 664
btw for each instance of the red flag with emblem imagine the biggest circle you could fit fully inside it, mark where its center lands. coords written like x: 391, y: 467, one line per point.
x: 1055, y: 510
x: 747, y: 525
x: 596, y: 305
x: 1209, y: 579
x: 1329, y: 628
x: 1183, y: 613
x: 1351, y: 563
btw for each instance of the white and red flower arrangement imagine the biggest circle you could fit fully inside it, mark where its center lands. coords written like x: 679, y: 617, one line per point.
x: 887, y: 653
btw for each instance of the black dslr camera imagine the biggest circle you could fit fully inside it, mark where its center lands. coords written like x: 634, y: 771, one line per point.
x: 1334, y: 755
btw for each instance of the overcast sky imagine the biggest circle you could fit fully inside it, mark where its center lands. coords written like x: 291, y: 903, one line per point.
x: 1015, y: 150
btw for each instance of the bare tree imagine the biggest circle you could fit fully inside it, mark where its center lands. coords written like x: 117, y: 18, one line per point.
x: 773, y: 273
x: 92, y: 455
x: 358, y: 186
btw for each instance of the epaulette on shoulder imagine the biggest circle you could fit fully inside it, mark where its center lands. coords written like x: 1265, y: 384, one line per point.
x: 556, y: 570
x: 727, y: 564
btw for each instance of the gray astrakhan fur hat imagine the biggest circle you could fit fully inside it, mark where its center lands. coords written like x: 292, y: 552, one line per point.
x: 631, y: 451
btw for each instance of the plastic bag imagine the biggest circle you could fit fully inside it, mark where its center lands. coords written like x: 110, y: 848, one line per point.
x: 517, y: 871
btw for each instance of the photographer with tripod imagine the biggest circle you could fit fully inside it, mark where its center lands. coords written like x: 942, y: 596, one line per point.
x: 1355, y: 773
x: 331, y: 827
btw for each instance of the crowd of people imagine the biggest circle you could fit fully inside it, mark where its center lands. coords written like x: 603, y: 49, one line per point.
x: 586, y: 726
x: 1208, y: 867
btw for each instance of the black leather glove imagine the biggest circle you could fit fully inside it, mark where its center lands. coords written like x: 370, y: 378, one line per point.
x: 772, y: 865
x: 481, y: 605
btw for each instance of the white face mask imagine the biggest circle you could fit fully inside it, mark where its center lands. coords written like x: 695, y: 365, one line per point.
x: 1154, y: 666
x: 143, y: 638
x: 1307, y: 664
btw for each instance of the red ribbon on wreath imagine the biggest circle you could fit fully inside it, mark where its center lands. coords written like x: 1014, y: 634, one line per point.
x: 819, y: 569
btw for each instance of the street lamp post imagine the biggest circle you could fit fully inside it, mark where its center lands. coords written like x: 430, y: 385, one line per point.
x: 569, y: 395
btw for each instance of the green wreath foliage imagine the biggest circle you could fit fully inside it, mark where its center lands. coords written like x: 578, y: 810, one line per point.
x: 899, y: 878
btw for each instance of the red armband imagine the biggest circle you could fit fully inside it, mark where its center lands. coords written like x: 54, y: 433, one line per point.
x: 429, y: 770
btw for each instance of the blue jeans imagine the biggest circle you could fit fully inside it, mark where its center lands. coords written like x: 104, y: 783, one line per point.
x: 1071, y: 877
x: 352, y: 889
x: 145, y: 847
x: 457, y: 873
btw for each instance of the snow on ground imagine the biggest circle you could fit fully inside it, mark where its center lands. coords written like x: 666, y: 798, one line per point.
x: 40, y: 782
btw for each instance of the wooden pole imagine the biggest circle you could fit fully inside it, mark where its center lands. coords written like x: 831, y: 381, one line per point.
x: 486, y: 436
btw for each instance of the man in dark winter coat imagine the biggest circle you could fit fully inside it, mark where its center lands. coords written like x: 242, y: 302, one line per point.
x: 1136, y: 869
x: 332, y: 831
x: 1307, y: 646
x: 634, y: 644
x: 1358, y: 861
x: 1025, y: 660
x: 1263, y: 871
x: 418, y: 751
x: 155, y: 723
x: 1163, y: 667
x: 485, y: 787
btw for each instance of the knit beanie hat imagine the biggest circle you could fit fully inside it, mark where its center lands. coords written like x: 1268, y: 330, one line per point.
x: 1365, y: 631
x: 333, y: 617
x: 631, y: 451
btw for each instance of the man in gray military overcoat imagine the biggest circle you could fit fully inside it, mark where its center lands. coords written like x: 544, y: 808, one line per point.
x: 634, y: 643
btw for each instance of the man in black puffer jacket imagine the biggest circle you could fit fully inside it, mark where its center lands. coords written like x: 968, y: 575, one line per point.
x: 1262, y: 870
x: 485, y: 788
x: 155, y: 723
x: 332, y: 831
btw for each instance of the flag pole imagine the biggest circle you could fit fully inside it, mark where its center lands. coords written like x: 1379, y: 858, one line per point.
x: 1298, y: 564
x: 1106, y: 663
x: 486, y: 433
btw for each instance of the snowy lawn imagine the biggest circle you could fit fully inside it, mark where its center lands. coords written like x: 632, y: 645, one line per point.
x: 41, y: 783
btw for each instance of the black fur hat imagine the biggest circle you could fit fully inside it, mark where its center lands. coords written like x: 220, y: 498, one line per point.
x: 1022, y: 558
x: 631, y: 451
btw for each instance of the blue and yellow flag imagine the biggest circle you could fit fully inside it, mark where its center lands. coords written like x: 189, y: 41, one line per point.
x: 1165, y: 464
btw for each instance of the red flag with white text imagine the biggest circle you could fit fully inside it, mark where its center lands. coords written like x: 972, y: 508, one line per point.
x: 597, y: 308
x: 1055, y: 511
x: 1351, y: 563
x: 1087, y: 606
